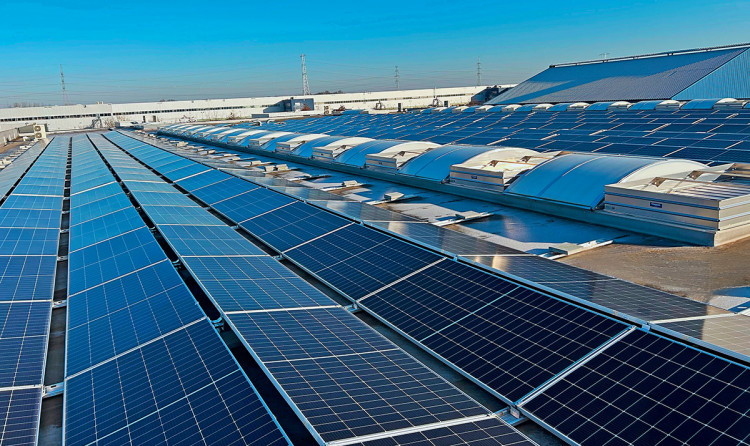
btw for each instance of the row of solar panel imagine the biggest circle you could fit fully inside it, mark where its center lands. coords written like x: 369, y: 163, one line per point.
x: 143, y: 363
x: 345, y: 380
x: 29, y: 238
x: 702, y: 139
x: 509, y: 338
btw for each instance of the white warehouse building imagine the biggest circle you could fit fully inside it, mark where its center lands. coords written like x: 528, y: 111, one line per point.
x: 74, y: 117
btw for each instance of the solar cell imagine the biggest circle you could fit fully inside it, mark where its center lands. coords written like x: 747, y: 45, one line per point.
x: 645, y: 390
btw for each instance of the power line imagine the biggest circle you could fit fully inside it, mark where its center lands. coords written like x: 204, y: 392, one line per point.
x: 305, y: 85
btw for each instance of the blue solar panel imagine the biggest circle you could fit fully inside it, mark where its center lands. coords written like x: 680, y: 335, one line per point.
x: 29, y: 241
x: 171, y: 198
x: 121, y: 314
x: 291, y: 225
x: 99, y: 208
x: 27, y: 278
x: 207, y: 241
x: 253, y: 283
x: 91, y: 195
x: 302, y: 334
x: 25, y: 218
x: 646, y: 390
x: 19, y: 415
x: 349, y: 396
x: 181, y: 215
x: 184, y: 387
x: 112, y: 258
x: 205, y: 179
x: 36, y: 202
x: 510, y: 338
x: 251, y: 204
x: 103, y: 228
x: 23, y: 342
x: 185, y: 172
x: 358, y: 260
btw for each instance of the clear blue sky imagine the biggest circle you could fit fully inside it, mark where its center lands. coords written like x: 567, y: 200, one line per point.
x: 129, y: 51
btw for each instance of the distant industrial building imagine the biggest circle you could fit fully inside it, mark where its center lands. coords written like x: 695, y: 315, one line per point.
x: 101, y: 115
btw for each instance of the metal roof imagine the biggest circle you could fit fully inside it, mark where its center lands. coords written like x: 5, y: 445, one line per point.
x: 656, y: 77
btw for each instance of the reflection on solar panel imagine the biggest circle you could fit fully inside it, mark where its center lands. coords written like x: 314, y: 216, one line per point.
x: 251, y: 204
x: 647, y: 390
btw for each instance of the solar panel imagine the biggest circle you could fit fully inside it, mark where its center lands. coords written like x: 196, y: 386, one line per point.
x: 181, y: 215
x: 207, y: 241
x: 510, y: 338
x: 185, y: 172
x: 361, y: 211
x: 292, y: 225
x: 112, y: 258
x: 22, y: 218
x: 36, y: 202
x: 645, y: 390
x: 19, y: 415
x: 103, y: 228
x: 23, y: 341
x: 126, y: 312
x: 99, y: 208
x: 184, y: 387
x: 251, y: 204
x: 222, y: 190
x: 349, y: 396
x: 29, y: 241
x: 171, y: 198
x: 206, y: 178
x: 253, y: 283
x: 490, y: 431
x: 27, y: 277
x: 358, y: 260
x: 91, y: 195
x: 303, y: 334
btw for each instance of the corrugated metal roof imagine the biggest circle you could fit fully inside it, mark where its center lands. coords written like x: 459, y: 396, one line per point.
x: 660, y: 77
x: 730, y: 80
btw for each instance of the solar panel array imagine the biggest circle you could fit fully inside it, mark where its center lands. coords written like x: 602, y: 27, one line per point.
x: 30, y: 220
x: 701, y: 135
x: 143, y: 363
x: 344, y: 380
x: 514, y: 340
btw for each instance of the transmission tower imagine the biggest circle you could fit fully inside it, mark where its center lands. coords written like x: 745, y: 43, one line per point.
x: 479, y: 72
x: 305, y: 85
x: 62, y: 83
x: 397, y: 79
